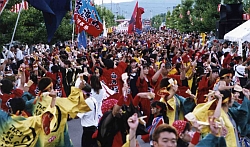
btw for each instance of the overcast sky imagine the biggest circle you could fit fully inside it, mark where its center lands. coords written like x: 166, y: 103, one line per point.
x: 113, y: 1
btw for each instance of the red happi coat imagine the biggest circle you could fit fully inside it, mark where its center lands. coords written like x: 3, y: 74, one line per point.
x: 114, y: 80
x: 53, y: 76
x: 17, y: 93
x: 203, y: 89
x: 142, y: 86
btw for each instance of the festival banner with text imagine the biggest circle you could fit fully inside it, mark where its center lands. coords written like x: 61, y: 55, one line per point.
x: 87, y: 19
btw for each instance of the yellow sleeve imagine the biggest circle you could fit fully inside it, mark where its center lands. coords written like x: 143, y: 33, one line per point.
x: 127, y: 142
x: 75, y: 103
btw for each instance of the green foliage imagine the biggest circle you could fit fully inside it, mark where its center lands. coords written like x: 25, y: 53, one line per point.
x: 185, y: 23
x: 120, y: 17
x: 31, y: 27
x: 157, y: 20
x: 107, y: 14
x: 203, y: 15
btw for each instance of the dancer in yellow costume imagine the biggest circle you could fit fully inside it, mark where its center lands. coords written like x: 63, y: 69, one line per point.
x: 72, y: 105
x: 17, y: 130
x: 230, y: 117
x: 177, y: 106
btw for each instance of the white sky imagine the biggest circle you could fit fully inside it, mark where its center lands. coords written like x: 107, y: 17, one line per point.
x: 113, y: 1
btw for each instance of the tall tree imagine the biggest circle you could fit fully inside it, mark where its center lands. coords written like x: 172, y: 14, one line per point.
x: 175, y: 17
x: 186, y: 20
x: 168, y: 17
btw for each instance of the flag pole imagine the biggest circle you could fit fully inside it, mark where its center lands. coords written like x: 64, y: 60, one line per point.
x: 73, y: 31
x: 19, y: 13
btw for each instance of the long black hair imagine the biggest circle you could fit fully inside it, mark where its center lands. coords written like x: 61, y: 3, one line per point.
x: 163, y: 111
x: 95, y: 83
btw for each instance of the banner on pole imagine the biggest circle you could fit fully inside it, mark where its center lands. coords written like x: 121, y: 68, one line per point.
x: 87, y: 19
x: 17, y: 7
x: 2, y: 5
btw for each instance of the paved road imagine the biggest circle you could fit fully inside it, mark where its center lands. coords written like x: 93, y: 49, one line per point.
x: 75, y: 132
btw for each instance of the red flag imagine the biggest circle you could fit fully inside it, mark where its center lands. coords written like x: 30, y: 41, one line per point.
x: 138, y: 24
x: 131, y: 27
x: 2, y: 5
x: 87, y: 19
x: 16, y: 8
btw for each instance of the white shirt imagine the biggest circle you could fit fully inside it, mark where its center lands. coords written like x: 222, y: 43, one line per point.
x: 19, y: 55
x: 239, y: 70
x: 99, y: 98
x: 9, y: 54
x: 226, y: 50
x: 90, y: 118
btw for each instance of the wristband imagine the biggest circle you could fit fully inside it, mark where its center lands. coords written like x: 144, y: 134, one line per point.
x: 196, y: 138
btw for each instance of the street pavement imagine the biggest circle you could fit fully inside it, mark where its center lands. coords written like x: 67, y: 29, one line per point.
x: 75, y: 132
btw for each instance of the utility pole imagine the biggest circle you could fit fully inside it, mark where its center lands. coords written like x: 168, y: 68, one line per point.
x: 150, y: 14
x: 111, y: 6
x: 102, y: 10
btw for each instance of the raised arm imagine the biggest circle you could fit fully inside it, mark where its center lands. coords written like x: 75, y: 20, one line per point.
x: 217, y: 111
x: 60, y: 62
x: 53, y: 101
x: 157, y: 74
x: 42, y: 68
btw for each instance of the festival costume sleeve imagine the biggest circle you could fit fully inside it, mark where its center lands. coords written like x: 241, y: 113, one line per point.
x: 177, y: 78
x: 188, y: 104
x: 241, y: 114
x: 136, y: 100
x: 127, y: 144
x: 21, y: 131
x: 49, y: 74
x: 212, y: 141
x: 171, y: 109
x: 29, y: 101
x: 202, y: 112
x: 122, y: 67
x: 246, y: 129
x: 74, y: 104
x: 173, y: 71
x: 142, y: 85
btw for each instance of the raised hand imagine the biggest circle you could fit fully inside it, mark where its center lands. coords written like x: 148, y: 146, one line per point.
x: 133, y: 122
x: 246, y: 92
x: 214, y: 127
x: 53, y: 93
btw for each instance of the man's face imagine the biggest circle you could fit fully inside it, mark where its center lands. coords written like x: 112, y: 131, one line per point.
x: 166, y: 139
x: 133, y: 65
x: 224, y: 46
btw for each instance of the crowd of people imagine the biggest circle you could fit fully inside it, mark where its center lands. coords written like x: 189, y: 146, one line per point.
x: 169, y: 88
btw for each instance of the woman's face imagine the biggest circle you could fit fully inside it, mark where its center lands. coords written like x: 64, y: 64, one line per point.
x: 153, y: 110
x: 145, y: 70
x: 215, y: 75
x: 228, y: 79
x: 186, y: 136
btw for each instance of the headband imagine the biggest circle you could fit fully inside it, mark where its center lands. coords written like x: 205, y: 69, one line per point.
x: 225, y: 100
x: 40, y: 92
x: 227, y: 75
